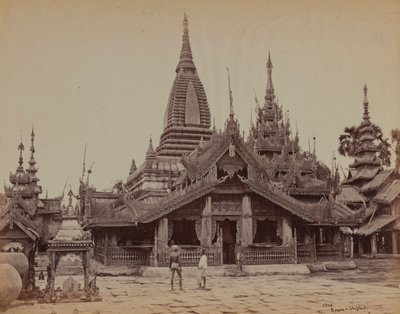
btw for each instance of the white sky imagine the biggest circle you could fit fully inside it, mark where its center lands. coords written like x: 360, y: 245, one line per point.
x: 101, y: 71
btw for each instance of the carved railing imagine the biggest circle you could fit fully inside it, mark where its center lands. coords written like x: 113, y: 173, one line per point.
x: 129, y: 255
x: 190, y: 256
x: 100, y: 254
x: 329, y: 252
x: 259, y: 255
x: 305, y: 253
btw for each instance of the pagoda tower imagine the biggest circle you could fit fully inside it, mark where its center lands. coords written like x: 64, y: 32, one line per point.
x: 187, y: 117
x: 366, y: 163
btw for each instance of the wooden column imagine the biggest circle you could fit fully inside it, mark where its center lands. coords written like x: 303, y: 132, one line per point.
x: 155, y: 248
x: 163, y: 232
x: 106, y: 249
x: 247, y: 221
x: 287, y: 232
x: 86, y: 269
x: 295, y: 245
x: 314, y: 252
x: 394, y: 243
x: 374, y: 248
x: 360, y: 245
x: 336, y: 237
x: 351, y: 247
x: 206, y: 224
x: 53, y: 275
x: 113, y: 238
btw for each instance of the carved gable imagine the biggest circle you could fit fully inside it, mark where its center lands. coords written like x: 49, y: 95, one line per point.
x: 231, y: 163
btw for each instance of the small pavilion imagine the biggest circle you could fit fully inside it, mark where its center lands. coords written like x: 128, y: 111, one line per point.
x: 70, y: 239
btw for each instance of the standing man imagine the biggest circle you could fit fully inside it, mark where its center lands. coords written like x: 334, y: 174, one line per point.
x: 175, y: 266
x: 203, y: 263
x: 239, y: 257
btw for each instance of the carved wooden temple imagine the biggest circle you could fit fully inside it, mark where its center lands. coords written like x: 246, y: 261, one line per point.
x: 217, y: 190
x: 28, y: 221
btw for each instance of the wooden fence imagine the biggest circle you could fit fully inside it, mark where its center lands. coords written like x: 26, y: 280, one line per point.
x: 123, y: 255
x: 259, y: 255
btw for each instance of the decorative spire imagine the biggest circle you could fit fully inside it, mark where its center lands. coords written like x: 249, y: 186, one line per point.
x: 133, y: 167
x: 32, y: 162
x: 314, y: 138
x: 365, y: 104
x: 270, y: 86
x: 21, y: 147
x: 70, y: 194
x: 186, y: 57
x: 150, y: 151
x: 231, y: 114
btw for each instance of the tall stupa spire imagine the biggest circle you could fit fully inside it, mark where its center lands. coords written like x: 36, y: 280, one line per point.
x: 186, y: 57
x: 187, y: 116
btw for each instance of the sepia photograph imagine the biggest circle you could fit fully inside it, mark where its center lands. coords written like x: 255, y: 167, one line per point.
x: 199, y: 156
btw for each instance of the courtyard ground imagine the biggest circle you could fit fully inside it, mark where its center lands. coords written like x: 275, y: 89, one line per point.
x: 371, y: 288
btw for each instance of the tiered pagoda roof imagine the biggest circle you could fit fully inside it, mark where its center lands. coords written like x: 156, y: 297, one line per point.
x: 366, y: 163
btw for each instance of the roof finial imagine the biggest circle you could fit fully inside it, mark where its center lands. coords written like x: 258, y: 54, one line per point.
x: 365, y: 104
x: 231, y: 114
x: 150, y: 151
x: 70, y: 194
x: 185, y: 25
x: 270, y: 86
x: 314, y: 138
x: 21, y: 147
x: 186, y: 58
x: 32, y: 162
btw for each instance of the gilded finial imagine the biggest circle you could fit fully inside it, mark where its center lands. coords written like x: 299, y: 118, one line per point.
x: 185, y: 25
x: 365, y: 104
x: 230, y: 94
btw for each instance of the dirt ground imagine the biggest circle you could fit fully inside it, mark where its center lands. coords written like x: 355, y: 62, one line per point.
x: 372, y: 288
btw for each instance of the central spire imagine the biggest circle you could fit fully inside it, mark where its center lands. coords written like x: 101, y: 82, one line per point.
x: 366, y: 116
x: 231, y: 114
x: 269, y: 96
x: 186, y: 57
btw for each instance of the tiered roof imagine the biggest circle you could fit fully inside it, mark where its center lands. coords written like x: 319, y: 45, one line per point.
x: 366, y: 163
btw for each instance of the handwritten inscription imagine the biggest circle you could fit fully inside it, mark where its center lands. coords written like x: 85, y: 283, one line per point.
x: 331, y: 308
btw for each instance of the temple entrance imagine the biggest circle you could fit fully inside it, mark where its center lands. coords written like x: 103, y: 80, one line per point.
x: 228, y: 232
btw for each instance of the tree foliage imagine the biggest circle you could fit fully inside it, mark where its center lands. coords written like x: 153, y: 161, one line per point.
x: 349, y: 143
x: 395, y: 134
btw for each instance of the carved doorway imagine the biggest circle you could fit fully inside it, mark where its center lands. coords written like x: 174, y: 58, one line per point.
x: 228, y: 232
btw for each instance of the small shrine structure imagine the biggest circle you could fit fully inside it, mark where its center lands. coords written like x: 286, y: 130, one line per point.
x: 70, y: 239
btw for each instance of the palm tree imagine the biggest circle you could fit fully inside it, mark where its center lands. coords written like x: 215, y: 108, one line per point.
x: 395, y: 134
x: 349, y: 143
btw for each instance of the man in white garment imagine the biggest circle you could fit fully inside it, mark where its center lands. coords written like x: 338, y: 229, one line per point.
x: 202, y: 269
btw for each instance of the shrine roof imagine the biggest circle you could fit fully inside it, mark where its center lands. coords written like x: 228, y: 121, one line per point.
x: 376, y: 224
x: 350, y: 194
x: 377, y: 181
x: 388, y: 194
x: 365, y: 173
